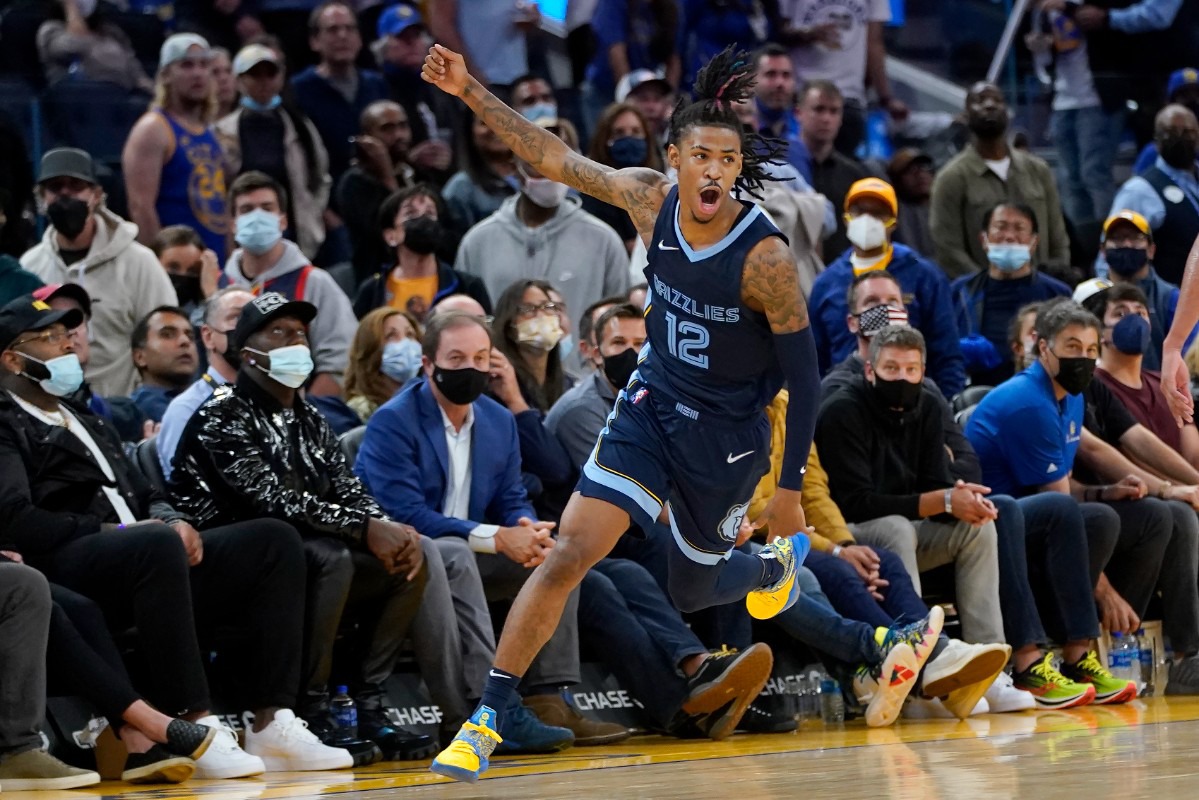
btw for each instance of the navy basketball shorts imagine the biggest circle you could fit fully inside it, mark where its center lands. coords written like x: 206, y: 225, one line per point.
x: 653, y: 450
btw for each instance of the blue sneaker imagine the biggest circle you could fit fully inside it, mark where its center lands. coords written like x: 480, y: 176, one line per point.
x: 525, y: 733
x: 770, y: 601
x: 467, y: 756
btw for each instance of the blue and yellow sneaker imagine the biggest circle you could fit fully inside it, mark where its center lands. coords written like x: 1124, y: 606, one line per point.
x: 466, y: 757
x: 770, y: 601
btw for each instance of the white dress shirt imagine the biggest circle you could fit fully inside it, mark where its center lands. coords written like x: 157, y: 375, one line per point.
x: 458, y: 444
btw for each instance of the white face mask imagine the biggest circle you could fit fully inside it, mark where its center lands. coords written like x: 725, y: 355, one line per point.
x: 866, y: 232
x: 544, y: 192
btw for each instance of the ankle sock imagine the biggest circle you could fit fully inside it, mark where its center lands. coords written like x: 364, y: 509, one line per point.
x: 499, y: 693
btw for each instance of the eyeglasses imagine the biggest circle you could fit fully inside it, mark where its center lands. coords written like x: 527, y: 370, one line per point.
x: 887, y: 221
x: 526, y: 310
x: 50, y: 337
x: 1128, y: 240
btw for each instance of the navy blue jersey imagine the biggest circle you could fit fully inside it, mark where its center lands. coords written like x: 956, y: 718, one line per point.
x: 705, y: 349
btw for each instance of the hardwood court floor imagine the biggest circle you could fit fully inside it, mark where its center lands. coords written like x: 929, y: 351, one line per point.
x: 1149, y: 748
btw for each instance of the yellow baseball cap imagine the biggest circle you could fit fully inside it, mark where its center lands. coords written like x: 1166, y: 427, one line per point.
x: 1127, y: 215
x: 873, y: 187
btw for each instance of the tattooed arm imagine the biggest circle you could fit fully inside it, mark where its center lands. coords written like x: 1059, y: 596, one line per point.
x: 638, y: 190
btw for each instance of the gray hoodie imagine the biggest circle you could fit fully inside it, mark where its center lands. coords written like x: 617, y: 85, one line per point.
x: 333, y: 329
x: 582, y: 257
x: 125, y: 282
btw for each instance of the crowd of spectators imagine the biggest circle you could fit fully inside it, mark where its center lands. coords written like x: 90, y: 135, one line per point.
x: 333, y: 371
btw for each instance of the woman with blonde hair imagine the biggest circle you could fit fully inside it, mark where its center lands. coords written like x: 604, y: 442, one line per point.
x: 384, y: 355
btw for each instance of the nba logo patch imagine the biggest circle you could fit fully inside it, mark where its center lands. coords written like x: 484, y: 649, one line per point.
x: 638, y: 395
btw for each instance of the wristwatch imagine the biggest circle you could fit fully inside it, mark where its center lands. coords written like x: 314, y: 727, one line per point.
x: 949, y: 501
x: 837, y: 550
x: 1164, y: 489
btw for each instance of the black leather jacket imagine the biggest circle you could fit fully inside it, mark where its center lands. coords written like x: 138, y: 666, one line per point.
x: 51, y: 488
x: 243, y: 456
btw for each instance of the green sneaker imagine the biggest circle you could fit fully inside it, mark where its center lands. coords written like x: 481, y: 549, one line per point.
x: 1109, y: 690
x: 1051, y: 688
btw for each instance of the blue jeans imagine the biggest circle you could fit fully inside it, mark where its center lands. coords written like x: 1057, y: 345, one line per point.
x: 849, y: 595
x: 814, y: 622
x: 1056, y: 559
x: 1087, y: 140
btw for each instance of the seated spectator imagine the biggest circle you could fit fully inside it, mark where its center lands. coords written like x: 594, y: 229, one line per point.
x: 221, y: 313
x: 1128, y: 253
x: 226, y: 83
x: 265, y: 261
x: 335, y: 92
x: 588, y: 345
x: 164, y: 352
x: 986, y: 173
x: 987, y: 301
x: 442, y: 457
x: 1182, y: 89
x: 172, y: 162
x: 267, y: 134
x: 621, y: 139
x: 486, y: 177
x: 25, y: 608
x: 14, y: 280
x: 911, y: 173
x: 1022, y: 337
x: 86, y: 243
x: 384, y: 355
x: 527, y: 333
x: 821, y: 109
x: 871, y: 208
x: 1158, y: 193
x: 410, y: 228
x: 193, y: 270
x: 775, y: 103
x: 79, y: 41
x: 256, y: 449
x: 540, y: 232
x: 653, y: 96
x: 79, y: 511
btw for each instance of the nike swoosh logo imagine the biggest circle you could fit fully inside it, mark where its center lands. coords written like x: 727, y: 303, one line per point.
x: 663, y: 246
x: 732, y: 458
x: 495, y: 674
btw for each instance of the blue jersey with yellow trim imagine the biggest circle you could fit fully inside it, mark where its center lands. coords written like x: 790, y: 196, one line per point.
x: 192, y: 188
x: 705, y: 350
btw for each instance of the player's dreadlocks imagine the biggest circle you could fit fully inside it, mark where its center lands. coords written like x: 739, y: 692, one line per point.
x: 727, y: 79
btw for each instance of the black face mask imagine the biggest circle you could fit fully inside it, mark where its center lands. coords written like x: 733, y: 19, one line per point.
x: 461, y: 386
x: 619, y: 368
x: 187, y: 289
x: 68, y: 215
x: 1126, y: 261
x: 422, y: 235
x: 899, y: 394
x: 1074, y: 374
x: 1177, y: 151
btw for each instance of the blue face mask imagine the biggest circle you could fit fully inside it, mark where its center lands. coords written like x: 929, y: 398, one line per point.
x: 258, y: 231
x: 1008, y: 257
x: 66, y: 374
x: 540, y: 111
x: 251, y: 104
x: 566, y: 346
x: 1131, y: 335
x: 628, y: 151
x: 290, y: 365
x: 401, y: 360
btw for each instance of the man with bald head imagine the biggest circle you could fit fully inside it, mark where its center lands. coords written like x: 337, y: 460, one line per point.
x: 458, y: 302
x: 986, y: 173
x: 1167, y: 194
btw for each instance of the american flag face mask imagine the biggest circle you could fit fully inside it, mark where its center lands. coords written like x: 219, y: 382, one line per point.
x: 874, y: 319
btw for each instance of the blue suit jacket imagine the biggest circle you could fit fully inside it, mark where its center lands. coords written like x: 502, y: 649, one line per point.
x: 405, y: 464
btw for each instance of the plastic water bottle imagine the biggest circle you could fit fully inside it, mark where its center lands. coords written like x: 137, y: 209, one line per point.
x: 1123, y: 660
x: 1145, y: 653
x: 832, y: 704
x: 345, y: 714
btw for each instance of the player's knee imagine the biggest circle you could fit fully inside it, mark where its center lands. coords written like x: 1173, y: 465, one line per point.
x: 689, y: 595
x: 566, y: 565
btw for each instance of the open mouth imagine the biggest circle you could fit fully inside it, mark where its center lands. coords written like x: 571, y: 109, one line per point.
x: 709, y: 199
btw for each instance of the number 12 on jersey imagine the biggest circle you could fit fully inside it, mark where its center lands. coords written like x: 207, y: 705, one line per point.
x: 686, y: 341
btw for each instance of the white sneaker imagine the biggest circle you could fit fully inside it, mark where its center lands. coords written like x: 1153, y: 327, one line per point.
x: 224, y: 758
x: 1003, y: 696
x: 884, y: 689
x: 922, y: 708
x: 286, y: 745
x: 962, y: 673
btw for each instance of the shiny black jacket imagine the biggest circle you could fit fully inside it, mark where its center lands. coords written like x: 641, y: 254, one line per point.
x: 51, y: 488
x: 244, y: 456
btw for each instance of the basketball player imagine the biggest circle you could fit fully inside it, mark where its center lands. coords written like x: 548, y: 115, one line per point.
x: 726, y: 326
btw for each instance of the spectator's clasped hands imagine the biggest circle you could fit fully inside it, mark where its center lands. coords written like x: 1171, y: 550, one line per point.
x: 396, y: 545
x: 970, y: 504
x: 527, y: 543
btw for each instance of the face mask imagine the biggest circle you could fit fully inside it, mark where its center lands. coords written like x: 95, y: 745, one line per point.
x: 1074, y: 374
x: 566, y: 346
x: 290, y: 365
x: 187, y: 288
x: 540, y: 111
x: 628, y: 151
x: 66, y: 374
x: 1008, y: 257
x: 461, y: 386
x: 422, y: 235
x: 542, y: 332
x: 1131, y: 335
x: 875, y: 318
x: 1126, y: 261
x: 250, y: 104
x: 1177, y: 151
x: 401, y: 360
x: 68, y: 215
x: 620, y: 367
x: 899, y: 394
x: 258, y: 231
x: 544, y: 192
x: 866, y: 232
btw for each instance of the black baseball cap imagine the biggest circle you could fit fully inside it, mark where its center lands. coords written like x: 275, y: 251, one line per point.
x: 71, y: 291
x: 26, y: 314
x: 264, y: 308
